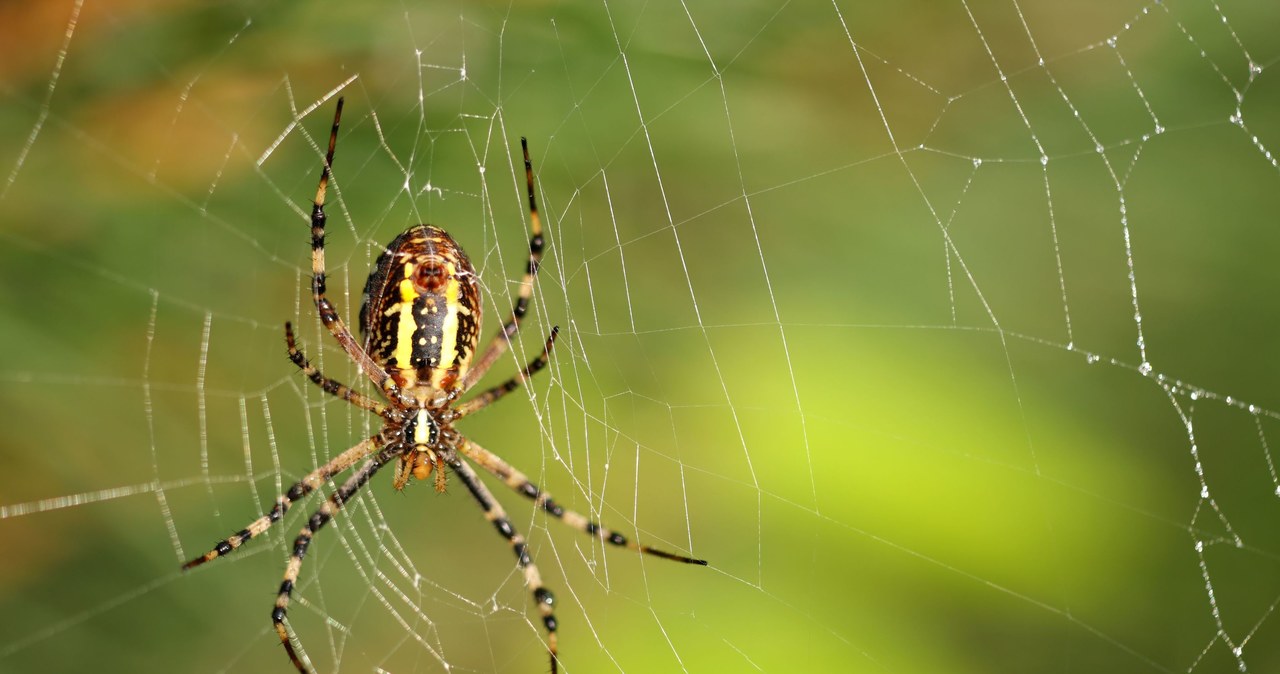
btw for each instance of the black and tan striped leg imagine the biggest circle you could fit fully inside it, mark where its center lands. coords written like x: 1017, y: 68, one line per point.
x: 330, y: 386
x: 317, y: 520
x: 494, y: 394
x: 328, y: 315
x: 299, y: 489
x: 500, y: 342
x: 532, y: 579
x: 518, y: 482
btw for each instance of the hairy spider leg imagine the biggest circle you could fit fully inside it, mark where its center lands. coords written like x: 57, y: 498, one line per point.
x: 328, y: 315
x: 532, y: 579
x: 299, y: 489
x: 519, y: 483
x: 331, y: 386
x: 318, y: 519
x: 498, y: 345
x: 497, y: 392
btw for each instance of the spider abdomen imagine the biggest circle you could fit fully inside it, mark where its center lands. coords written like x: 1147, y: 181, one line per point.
x: 421, y: 311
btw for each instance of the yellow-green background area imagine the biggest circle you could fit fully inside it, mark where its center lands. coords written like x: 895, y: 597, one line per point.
x: 836, y: 363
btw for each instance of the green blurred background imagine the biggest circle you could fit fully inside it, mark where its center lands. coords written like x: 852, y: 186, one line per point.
x: 847, y: 310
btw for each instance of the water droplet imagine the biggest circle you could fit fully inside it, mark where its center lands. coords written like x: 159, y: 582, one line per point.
x: 1145, y: 368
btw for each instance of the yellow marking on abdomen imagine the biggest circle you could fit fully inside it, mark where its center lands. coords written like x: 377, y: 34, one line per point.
x: 403, y: 353
x: 448, y: 327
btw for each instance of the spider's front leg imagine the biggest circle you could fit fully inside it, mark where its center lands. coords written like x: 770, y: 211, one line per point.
x: 321, y: 517
x: 299, y: 489
x: 493, y: 512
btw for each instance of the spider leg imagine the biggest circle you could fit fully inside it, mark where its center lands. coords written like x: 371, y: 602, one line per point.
x: 328, y: 315
x: 330, y: 386
x: 518, y: 482
x: 317, y: 520
x: 299, y: 489
x: 532, y: 579
x: 500, y: 342
x: 494, y: 394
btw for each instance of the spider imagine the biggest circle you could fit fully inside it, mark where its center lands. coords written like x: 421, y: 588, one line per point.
x: 420, y: 318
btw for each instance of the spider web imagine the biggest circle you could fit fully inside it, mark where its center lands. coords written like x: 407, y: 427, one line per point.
x: 945, y: 331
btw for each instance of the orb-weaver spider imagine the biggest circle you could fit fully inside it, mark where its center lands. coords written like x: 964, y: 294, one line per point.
x: 421, y: 322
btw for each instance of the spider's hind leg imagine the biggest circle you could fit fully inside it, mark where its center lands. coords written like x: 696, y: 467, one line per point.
x: 497, y: 392
x: 331, y: 386
x: 328, y: 314
x: 502, y: 340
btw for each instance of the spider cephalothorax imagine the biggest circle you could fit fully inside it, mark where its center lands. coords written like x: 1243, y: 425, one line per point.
x: 420, y: 318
